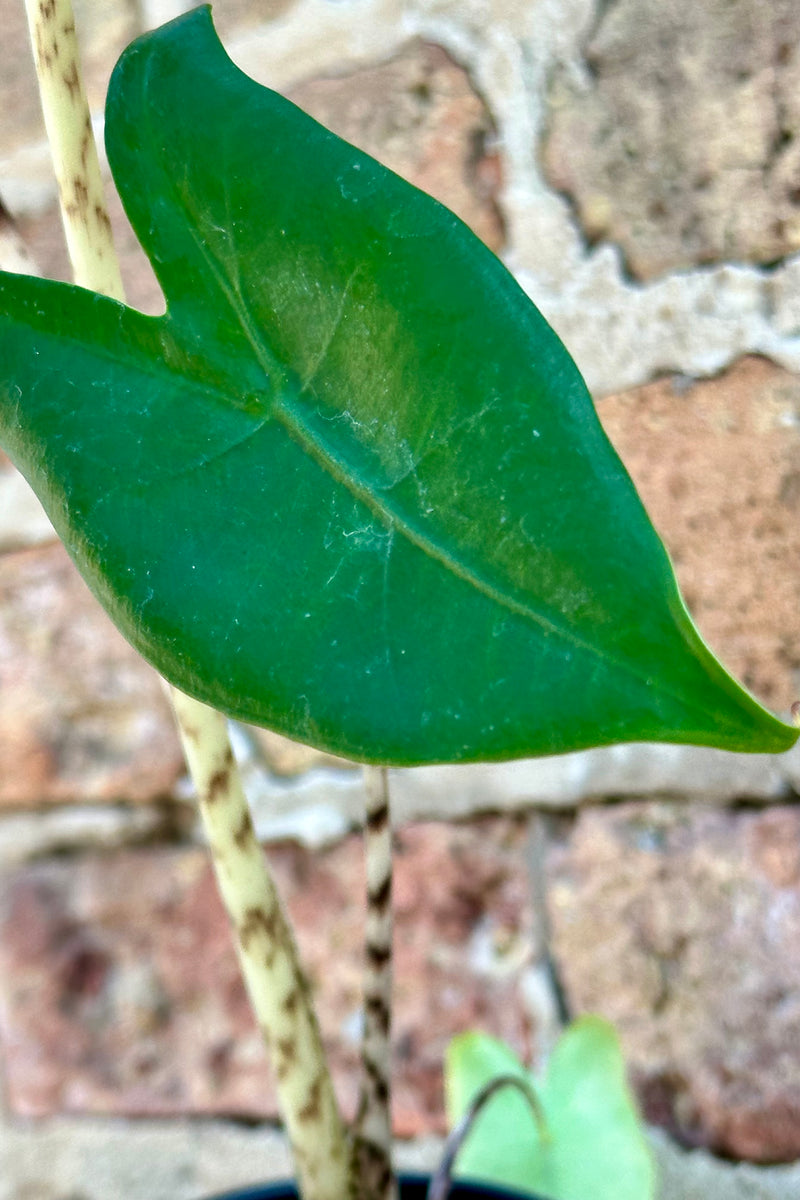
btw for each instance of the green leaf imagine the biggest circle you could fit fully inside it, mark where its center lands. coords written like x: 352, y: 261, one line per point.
x: 597, y: 1148
x: 350, y: 486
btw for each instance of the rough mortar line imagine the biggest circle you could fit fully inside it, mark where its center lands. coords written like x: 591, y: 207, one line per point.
x: 620, y: 332
x: 324, y: 804
x: 316, y: 37
x: 685, y: 1174
x: 498, y: 64
x: 693, y: 322
x: 98, y: 1157
x: 75, y: 828
x: 543, y: 236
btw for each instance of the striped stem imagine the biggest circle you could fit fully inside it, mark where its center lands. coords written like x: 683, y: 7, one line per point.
x: 373, y: 1142
x: 266, y: 948
x: 277, y: 988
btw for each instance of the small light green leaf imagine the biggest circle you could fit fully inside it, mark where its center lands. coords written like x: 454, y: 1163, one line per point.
x: 596, y: 1150
x: 350, y: 486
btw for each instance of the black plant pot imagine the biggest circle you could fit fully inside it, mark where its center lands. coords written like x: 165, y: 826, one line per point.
x: 412, y: 1187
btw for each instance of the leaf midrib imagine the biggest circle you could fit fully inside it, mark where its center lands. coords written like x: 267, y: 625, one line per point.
x: 287, y: 412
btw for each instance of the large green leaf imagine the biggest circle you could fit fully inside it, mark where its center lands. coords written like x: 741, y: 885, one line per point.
x: 597, y: 1149
x: 351, y: 485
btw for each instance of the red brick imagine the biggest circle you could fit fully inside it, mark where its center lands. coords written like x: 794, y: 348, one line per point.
x: 121, y: 994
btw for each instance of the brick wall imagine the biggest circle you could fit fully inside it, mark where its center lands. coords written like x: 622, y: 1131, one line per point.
x: 638, y: 166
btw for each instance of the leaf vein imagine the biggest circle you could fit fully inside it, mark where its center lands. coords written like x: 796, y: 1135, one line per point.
x: 284, y: 408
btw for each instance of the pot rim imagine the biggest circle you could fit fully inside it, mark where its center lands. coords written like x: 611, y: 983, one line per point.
x: 414, y: 1185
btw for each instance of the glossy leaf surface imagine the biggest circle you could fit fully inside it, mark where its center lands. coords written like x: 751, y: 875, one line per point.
x: 351, y: 486
x: 596, y: 1147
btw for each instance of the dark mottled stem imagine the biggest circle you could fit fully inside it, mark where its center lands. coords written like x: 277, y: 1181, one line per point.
x: 373, y: 1143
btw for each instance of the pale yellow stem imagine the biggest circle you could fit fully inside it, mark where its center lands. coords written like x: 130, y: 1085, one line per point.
x: 265, y: 946
x: 72, y: 147
x: 268, y: 957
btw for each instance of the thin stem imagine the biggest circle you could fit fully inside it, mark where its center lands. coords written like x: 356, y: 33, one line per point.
x: 72, y: 147
x: 278, y: 990
x: 373, y: 1141
x: 442, y: 1180
x: 266, y: 948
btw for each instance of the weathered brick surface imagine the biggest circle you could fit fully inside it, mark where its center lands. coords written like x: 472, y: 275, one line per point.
x: 420, y: 116
x: 717, y: 464
x: 20, y: 112
x: 682, y: 141
x: 683, y: 927
x: 82, y: 718
x: 119, y: 990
